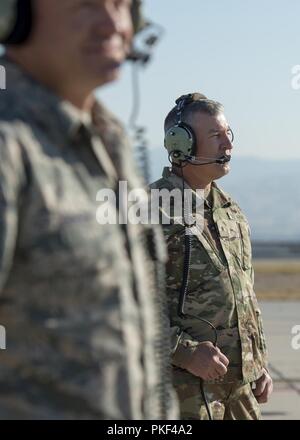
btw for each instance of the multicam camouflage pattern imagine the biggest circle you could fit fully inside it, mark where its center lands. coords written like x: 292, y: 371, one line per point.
x: 78, y: 300
x: 7, y: 17
x: 226, y: 402
x: 220, y: 290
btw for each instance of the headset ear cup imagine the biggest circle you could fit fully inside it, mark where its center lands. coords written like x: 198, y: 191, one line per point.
x: 8, y: 18
x: 138, y: 19
x: 21, y: 24
x: 180, y: 143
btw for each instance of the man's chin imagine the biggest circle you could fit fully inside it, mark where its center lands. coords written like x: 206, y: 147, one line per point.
x: 104, y: 65
x: 106, y: 74
x: 225, y: 169
x: 112, y: 74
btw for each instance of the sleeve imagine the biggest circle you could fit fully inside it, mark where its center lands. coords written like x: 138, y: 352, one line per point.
x: 183, y: 346
x: 261, y: 332
x: 259, y: 323
x: 11, y: 177
x: 262, y: 339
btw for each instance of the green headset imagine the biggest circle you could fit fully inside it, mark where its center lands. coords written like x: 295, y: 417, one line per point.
x: 180, y: 140
x: 16, y: 20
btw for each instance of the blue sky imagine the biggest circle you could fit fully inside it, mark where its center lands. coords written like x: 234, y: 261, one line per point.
x: 238, y: 52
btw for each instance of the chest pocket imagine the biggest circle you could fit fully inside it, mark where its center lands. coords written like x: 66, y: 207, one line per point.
x: 235, y: 238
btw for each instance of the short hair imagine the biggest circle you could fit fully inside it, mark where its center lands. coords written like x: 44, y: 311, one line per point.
x: 202, y: 105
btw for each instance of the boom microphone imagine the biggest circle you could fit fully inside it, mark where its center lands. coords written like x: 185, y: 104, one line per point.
x: 224, y: 159
x: 221, y: 160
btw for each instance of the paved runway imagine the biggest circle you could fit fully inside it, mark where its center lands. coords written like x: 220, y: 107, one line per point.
x: 279, y: 319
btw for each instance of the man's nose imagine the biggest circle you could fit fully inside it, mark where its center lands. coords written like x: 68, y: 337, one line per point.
x: 228, y: 142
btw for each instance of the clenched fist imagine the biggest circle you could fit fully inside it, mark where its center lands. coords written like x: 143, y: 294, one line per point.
x: 207, y: 362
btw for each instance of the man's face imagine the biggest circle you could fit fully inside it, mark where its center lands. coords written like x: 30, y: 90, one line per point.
x: 86, y: 40
x: 213, y: 136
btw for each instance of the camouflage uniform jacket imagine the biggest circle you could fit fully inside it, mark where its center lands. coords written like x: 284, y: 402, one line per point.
x: 220, y: 288
x: 77, y: 299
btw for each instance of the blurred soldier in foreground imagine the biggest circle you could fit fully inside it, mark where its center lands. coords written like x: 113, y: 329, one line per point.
x: 220, y: 275
x: 78, y: 300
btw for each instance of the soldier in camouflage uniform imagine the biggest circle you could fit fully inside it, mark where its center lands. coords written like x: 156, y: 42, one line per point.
x: 78, y: 300
x: 220, y: 287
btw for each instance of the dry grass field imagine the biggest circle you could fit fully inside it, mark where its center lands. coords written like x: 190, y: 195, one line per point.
x: 277, y: 279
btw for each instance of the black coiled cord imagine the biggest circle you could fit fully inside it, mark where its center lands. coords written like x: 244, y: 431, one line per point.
x: 152, y: 238
x: 140, y: 141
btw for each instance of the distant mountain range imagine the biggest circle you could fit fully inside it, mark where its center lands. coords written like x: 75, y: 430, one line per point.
x: 268, y: 191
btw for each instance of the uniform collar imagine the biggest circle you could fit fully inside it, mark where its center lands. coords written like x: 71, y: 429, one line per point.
x: 40, y: 103
x: 219, y: 198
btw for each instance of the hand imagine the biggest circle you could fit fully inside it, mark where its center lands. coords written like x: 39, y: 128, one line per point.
x: 207, y: 362
x: 264, y: 387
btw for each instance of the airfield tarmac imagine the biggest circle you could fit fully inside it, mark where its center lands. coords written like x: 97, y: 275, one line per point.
x: 279, y: 318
